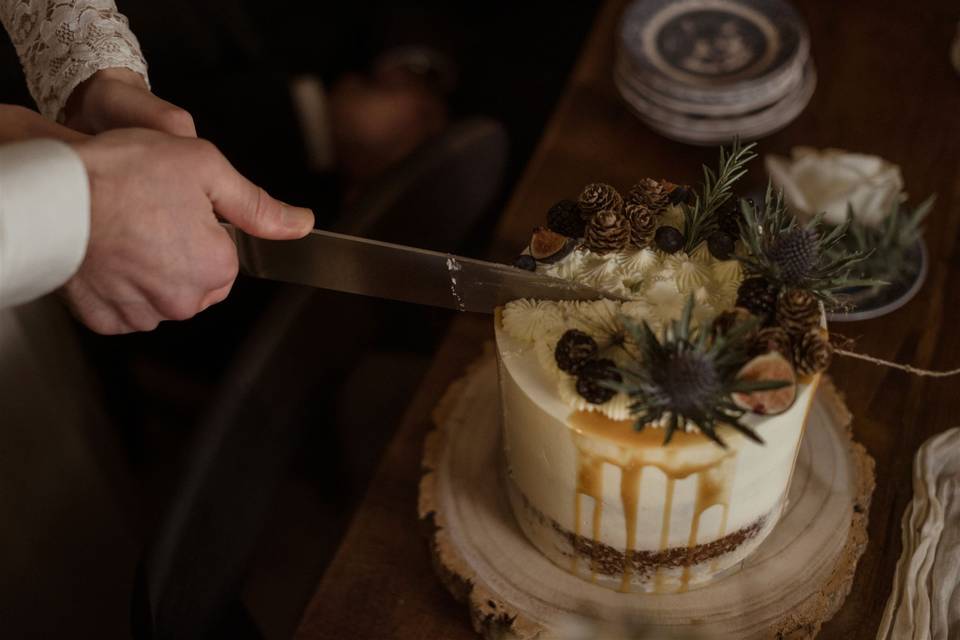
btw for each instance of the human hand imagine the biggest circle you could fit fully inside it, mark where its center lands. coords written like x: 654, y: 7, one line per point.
x: 156, y: 251
x: 119, y: 99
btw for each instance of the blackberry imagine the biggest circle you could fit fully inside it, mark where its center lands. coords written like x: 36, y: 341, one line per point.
x: 795, y: 253
x: 668, y: 239
x: 525, y: 262
x: 591, y: 377
x: 728, y: 219
x: 681, y: 194
x: 564, y: 217
x: 721, y: 245
x: 759, y: 297
x: 574, y: 350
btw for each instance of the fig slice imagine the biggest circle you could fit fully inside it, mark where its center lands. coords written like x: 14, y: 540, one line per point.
x: 769, y: 367
x: 550, y: 246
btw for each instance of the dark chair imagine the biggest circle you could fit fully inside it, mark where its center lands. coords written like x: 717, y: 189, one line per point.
x: 191, y: 570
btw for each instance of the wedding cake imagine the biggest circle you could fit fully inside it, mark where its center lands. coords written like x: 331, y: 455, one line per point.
x: 650, y: 437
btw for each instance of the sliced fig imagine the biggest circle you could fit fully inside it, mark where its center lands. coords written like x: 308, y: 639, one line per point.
x: 767, y: 368
x: 550, y: 246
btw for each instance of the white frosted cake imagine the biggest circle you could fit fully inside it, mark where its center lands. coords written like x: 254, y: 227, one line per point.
x: 592, y: 390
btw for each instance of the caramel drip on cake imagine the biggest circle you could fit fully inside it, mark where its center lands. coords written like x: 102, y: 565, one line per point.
x: 600, y: 440
x: 630, y: 496
x: 589, y: 483
x: 664, y: 529
x: 713, y: 488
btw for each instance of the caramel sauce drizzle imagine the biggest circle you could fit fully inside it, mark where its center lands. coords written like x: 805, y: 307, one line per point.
x: 631, y: 452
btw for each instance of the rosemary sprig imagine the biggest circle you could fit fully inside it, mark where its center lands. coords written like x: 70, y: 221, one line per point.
x: 700, y: 218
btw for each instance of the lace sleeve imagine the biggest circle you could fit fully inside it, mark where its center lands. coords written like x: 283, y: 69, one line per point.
x: 61, y: 43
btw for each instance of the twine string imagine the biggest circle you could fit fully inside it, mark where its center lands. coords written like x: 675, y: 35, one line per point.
x: 896, y: 365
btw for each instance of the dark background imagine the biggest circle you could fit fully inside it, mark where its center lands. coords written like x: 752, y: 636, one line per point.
x: 228, y: 63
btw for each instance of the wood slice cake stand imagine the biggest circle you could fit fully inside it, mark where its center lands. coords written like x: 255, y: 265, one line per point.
x: 796, y: 580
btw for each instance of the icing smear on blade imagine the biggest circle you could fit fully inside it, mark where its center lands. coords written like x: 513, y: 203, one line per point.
x: 453, y: 267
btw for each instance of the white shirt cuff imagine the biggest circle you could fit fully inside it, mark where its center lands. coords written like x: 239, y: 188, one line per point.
x: 44, y: 218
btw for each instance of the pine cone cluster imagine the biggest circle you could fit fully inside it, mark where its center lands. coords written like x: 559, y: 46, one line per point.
x: 798, y: 312
x: 772, y: 339
x: 812, y: 353
x: 599, y: 197
x: 591, y: 379
x: 653, y: 194
x: 574, y: 350
x: 643, y: 224
x: 607, y: 231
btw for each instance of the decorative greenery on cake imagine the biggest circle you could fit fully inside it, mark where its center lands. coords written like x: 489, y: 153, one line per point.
x: 725, y: 300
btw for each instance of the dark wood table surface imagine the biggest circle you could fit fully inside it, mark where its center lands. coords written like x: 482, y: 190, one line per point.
x: 885, y: 87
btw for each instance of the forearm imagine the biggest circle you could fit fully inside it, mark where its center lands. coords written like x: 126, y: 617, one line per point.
x: 62, y: 43
x: 19, y: 123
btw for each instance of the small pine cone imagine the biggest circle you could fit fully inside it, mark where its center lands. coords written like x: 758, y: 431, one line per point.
x: 598, y: 197
x: 772, y: 339
x: 798, y: 311
x: 812, y: 353
x: 643, y: 223
x: 607, y: 231
x: 653, y: 194
x: 564, y: 217
x: 575, y: 349
x: 591, y: 378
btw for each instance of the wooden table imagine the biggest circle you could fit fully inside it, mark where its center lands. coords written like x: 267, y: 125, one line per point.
x: 886, y: 87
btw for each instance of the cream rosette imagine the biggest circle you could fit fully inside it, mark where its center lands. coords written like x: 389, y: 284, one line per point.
x: 830, y: 180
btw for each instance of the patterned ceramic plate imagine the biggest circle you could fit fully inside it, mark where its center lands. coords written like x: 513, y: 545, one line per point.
x: 712, y: 50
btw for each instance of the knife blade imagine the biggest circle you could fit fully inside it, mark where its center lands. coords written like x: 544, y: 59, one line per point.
x: 339, y: 262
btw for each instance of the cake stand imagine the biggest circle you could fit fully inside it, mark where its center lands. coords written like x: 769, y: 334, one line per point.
x: 796, y: 580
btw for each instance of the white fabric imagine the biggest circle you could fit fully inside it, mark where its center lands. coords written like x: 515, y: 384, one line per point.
x: 925, y: 601
x: 61, y: 43
x: 44, y: 218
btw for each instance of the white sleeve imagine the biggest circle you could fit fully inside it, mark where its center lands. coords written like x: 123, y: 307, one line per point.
x: 61, y: 43
x: 44, y: 218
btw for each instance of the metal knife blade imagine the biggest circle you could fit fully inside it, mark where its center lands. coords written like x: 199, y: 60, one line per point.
x: 351, y: 264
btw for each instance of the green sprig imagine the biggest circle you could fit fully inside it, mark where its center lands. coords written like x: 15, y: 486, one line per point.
x: 700, y: 218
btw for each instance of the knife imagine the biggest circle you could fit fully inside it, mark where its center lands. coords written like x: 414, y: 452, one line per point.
x: 351, y: 264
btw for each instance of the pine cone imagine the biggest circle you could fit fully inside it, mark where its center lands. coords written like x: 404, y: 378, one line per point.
x: 591, y: 377
x: 598, y: 197
x: 772, y: 339
x: 758, y: 296
x: 607, y: 231
x: 564, y: 217
x: 812, y: 353
x: 574, y: 350
x: 653, y: 194
x: 643, y: 223
x: 798, y: 311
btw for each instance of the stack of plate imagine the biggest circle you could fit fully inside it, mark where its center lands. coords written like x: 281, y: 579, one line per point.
x: 705, y: 71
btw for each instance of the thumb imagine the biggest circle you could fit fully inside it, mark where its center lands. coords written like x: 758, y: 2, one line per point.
x: 252, y: 209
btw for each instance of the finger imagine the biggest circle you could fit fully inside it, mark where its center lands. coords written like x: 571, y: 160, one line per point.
x: 215, y: 296
x: 92, y: 311
x: 252, y: 209
x: 130, y: 107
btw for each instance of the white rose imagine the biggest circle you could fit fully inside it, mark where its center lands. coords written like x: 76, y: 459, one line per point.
x: 828, y: 180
